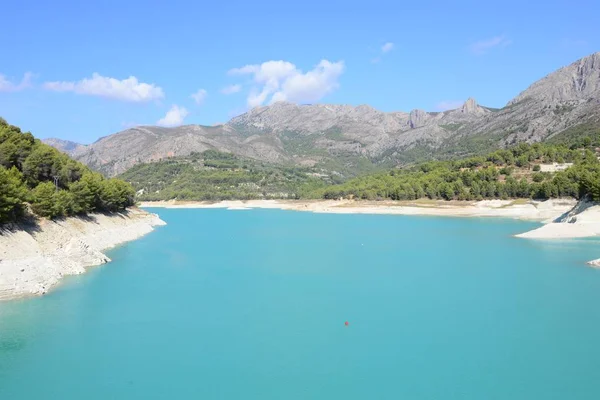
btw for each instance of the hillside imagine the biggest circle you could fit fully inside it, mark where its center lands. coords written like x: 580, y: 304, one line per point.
x: 36, y: 178
x: 212, y: 175
x: 538, y: 171
x: 352, y: 140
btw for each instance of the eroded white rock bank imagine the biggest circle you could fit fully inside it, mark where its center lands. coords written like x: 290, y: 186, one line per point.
x: 582, y: 221
x: 33, y: 258
x: 562, y: 218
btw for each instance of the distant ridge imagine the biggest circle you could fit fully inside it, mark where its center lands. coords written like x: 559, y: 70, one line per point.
x: 66, y: 146
x: 346, y: 137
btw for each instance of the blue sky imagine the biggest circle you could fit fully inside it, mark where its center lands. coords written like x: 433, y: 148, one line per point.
x: 81, y: 70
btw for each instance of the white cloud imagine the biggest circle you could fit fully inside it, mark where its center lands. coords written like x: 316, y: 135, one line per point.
x: 129, y: 89
x: 231, y: 89
x: 448, y: 105
x: 174, y: 116
x: 483, y: 46
x: 257, y: 98
x: 384, y: 49
x: 248, y: 69
x: 389, y: 46
x: 8, y: 86
x: 269, y: 72
x: 199, y: 96
x: 283, y: 81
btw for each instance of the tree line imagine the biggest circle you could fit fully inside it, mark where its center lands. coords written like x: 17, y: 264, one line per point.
x: 507, y: 173
x: 38, y: 178
x: 213, y: 175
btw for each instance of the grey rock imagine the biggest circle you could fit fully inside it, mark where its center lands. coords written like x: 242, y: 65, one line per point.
x: 312, y: 134
x: 576, y: 82
x: 66, y: 146
x: 471, y: 107
x: 418, y: 118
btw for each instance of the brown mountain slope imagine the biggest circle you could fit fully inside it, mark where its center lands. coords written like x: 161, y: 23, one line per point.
x: 348, y: 138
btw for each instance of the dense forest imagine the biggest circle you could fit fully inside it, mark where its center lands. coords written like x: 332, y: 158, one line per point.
x: 509, y: 173
x: 37, y: 178
x: 515, y: 172
x: 214, y: 175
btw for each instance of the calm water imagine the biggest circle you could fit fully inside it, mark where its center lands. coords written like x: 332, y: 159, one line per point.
x: 251, y: 305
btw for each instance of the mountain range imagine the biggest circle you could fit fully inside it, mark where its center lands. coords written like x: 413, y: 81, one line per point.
x: 351, y: 139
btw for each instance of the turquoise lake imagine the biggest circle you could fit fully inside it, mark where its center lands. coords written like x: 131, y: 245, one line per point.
x: 225, y: 304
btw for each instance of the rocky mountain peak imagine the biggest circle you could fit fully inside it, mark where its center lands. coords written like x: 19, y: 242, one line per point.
x: 587, y: 75
x: 66, y: 146
x: 310, y: 134
x: 578, y: 81
x: 417, y: 118
x: 470, y: 106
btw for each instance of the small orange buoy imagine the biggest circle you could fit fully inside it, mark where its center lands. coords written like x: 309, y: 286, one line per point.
x: 346, y: 323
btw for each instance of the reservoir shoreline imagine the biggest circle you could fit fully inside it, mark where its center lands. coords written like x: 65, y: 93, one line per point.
x: 561, y: 218
x: 542, y: 211
x: 35, y: 257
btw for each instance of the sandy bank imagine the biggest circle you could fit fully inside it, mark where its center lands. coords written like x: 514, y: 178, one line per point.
x: 528, y: 210
x: 582, y: 221
x: 594, y: 263
x: 35, y: 258
x: 562, y: 230
x: 562, y: 218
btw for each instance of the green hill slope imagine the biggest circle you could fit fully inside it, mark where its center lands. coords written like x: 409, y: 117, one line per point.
x: 523, y: 171
x: 37, y: 178
x: 213, y: 175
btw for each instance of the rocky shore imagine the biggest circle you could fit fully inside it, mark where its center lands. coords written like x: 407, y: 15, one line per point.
x: 562, y: 218
x: 34, y: 257
x: 527, y: 210
x: 583, y: 220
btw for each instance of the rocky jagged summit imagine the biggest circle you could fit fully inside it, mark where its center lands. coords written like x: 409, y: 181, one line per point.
x: 66, y: 146
x: 312, y: 134
x: 418, y: 118
x: 579, y: 81
x: 471, y: 107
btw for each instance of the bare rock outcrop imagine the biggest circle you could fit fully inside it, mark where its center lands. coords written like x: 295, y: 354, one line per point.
x: 471, y: 107
x: 313, y: 133
x: 33, y: 258
x: 418, y: 118
x: 578, y: 81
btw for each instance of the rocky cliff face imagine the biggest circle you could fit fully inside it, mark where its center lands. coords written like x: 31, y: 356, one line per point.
x: 325, y: 133
x: 579, y: 81
x: 471, y: 107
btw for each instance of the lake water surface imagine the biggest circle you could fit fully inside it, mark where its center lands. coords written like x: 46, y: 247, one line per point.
x: 251, y: 305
